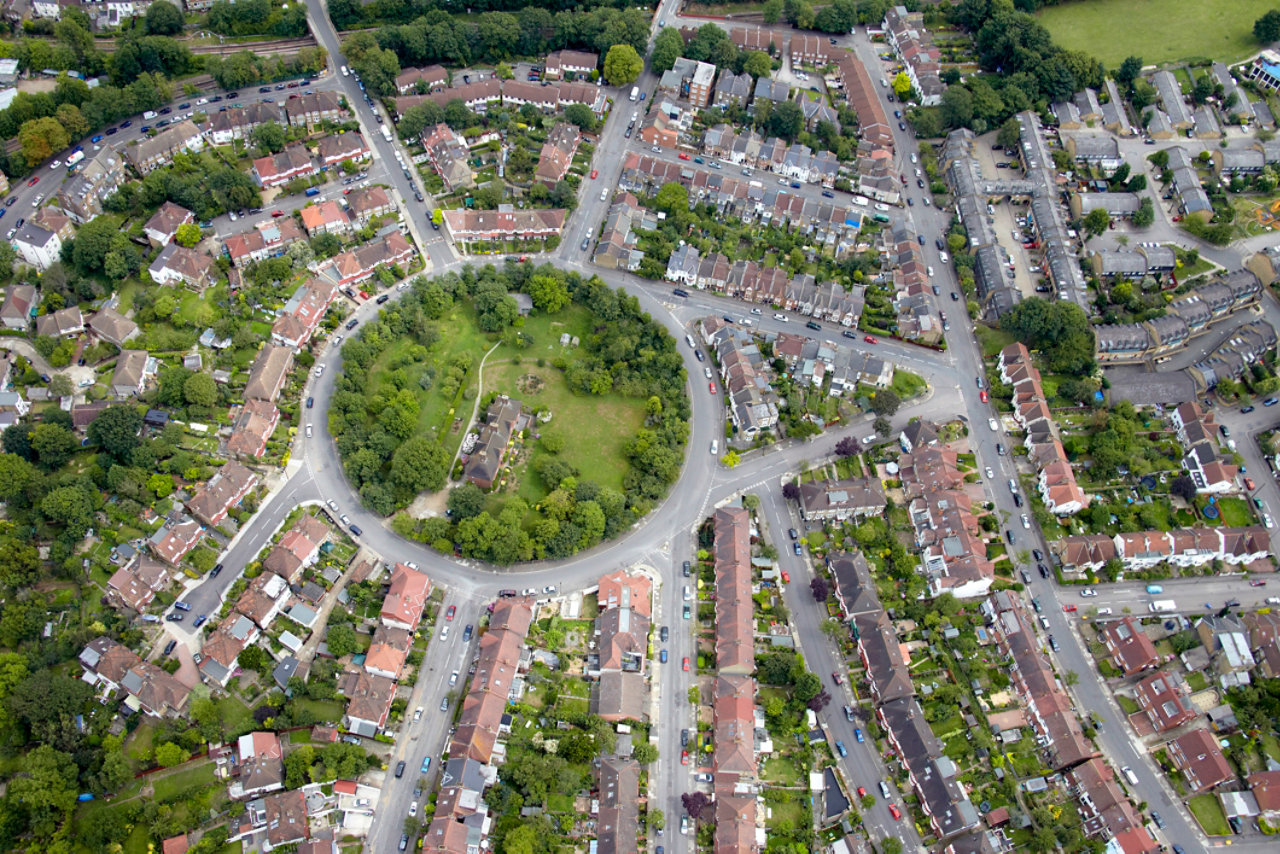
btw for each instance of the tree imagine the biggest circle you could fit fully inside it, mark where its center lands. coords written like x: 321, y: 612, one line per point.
x: 820, y: 589
x: 1096, y: 221
x: 54, y: 445
x: 622, y: 65
x: 1129, y: 71
x: 646, y: 754
x: 46, y: 788
x: 268, y: 137
x: 466, y: 501
x: 419, y: 464
x: 786, y: 120
x: 581, y: 115
x: 164, y: 19
x: 1009, y: 134
x: 40, y: 138
x: 549, y: 293
x: 891, y: 845
x: 772, y: 11
x: 757, y: 64
x: 667, y: 47
x: 1267, y: 28
x: 885, y: 402
x: 694, y: 803
x: 672, y: 199
x: 730, y: 459
x: 200, y: 390
x: 188, y: 234
x: 1183, y: 487
x: 115, y: 431
x: 791, y: 491
x: 341, y: 639
x: 847, y: 447
x: 957, y: 107
x: 60, y: 386
x: 170, y: 754
x: 902, y: 86
x: 1146, y: 213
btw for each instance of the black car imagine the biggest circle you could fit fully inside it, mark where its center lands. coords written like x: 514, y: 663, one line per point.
x: 1037, y: 554
x: 1017, y: 500
x: 186, y: 106
x: 435, y: 226
x: 793, y: 533
x: 1044, y: 570
x: 849, y: 333
x: 466, y: 633
x: 19, y: 224
x: 955, y: 297
x: 233, y: 94
x: 355, y: 529
x: 168, y: 648
x: 351, y: 324
x: 164, y: 111
x: 380, y: 300
x: 215, y: 99
x: 127, y: 124
x: 9, y: 203
x: 902, y: 126
x: 679, y: 292
x: 814, y: 325
x: 920, y: 239
x: 920, y: 183
x: 174, y: 617
x: 684, y: 738
x: 112, y: 131
x: 686, y: 569
x: 311, y: 401
x: 698, y: 354
x: 418, y: 196
x: 399, y: 769
x: 1244, y: 410
x: 213, y: 573
x: 663, y: 633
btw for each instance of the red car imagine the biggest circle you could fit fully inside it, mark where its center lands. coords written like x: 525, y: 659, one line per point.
x: 684, y: 757
x: 33, y: 181
x: 983, y: 396
x: 524, y: 259
x: 862, y: 791
x: 594, y: 173
x: 1069, y: 608
x: 363, y: 295
x: 685, y: 664
x: 453, y: 609
x: 870, y: 339
x: 1257, y: 582
x: 786, y: 577
x: 895, y: 812
x: 683, y: 156
x: 837, y: 678
x: 277, y: 213
x: 1248, y: 484
x: 712, y: 386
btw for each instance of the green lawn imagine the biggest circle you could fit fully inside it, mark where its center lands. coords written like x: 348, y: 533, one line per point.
x: 781, y: 771
x: 324, y: 710
x: 1209, y: 813
x: 1156, y: 31
x: 594, y: 429
x: 992, y: 340
x: 170, y: 786
x: 1127, y: 704
x: 140, y: 744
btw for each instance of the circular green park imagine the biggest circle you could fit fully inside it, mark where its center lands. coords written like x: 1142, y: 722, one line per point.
x: 511, y: 414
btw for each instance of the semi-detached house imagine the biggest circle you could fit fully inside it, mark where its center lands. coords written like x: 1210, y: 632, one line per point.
x: 212, y: 502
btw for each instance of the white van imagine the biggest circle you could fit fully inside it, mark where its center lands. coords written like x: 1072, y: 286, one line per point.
x: 150, y: 114
x: 687, y: 595
x: 1129, y: 775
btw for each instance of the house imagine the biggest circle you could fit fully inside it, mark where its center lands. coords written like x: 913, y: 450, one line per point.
x: 557, y: 154
x: 1159, y: 698
x: 368, y: 203
x: 153, y: 691
x: 286, y: 819
x: 110, y: 325
x: 162, y: 228
x: 333, y: 150
x: 504, y: 421
x: 1197, y: 755
x: 298, y: 549
x: 147, y: 155
x: 325, y: 218
x: 81, y: 195
x: 622, y: 640
x: 1100, y: 150
x: 918, y: 434
x: 135, y: 586
x: 238, y: 122
x: 1129, y: 647
x: 311, y: 110
x: 63, y: 323
x: 259, y: 764
x: 622, y: 589
x: 388, y: 651
x: 881, y: 654
x: 179, y: 264
x: 106, y: 662
x: 564, y: 63
x: 690, y: 79
x: 732, y: 89
x: 38, y: 246
x: 430, y: 78
x: 406, y: 598
x: 1265, y: 786
x: 808, y: 49
x: 133, y: 369
x: 19, y: 300
x: 227, y: 488
x: 618, y: 821
x: 368, y: 700
x: 275, y: 170
x: 356, y: 265
x: 269, y: 372
x: 252, y: 429
x: 657, y: 128
x: 263, y: 599
x: 174, y: 539
x: 1170, y: 95
x: 303, y: 312
x: 506, y: 223
x: 841, y: 500
x: 267, y: 239
x: 1104, y: 808
x: 448, y: 154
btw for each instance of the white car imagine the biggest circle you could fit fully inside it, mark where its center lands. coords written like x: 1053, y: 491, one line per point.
x: 781, y: 317
x: 707, y: 371
x: 1267, y: 520
x: 417, y: 714
x: 715, y: 447
x: 55, y: 164
x: 1026, y: 523
x: 1088, y: 591
x: 1273, y: 600
x: 444, y: 633
x: 993, y: 424
x: 308, y: 431
x: 413, y: 808
x: 333, y: 505
x: 745, y: 321
x: 319, y: 369
x: 990, y: 473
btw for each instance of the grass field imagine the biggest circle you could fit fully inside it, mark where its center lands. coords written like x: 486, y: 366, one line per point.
x: 594, y: 428
x: 1156, y: 30
x: 1209, y: 813
x: 169, y: 786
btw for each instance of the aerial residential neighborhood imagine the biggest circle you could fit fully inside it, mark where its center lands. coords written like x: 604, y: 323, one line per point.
x: 734, y: 427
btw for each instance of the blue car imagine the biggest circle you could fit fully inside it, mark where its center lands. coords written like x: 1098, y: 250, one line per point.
x: 426, y: 763
x: 857, y: 733
x: 840, y: 748
x: 97, y: 138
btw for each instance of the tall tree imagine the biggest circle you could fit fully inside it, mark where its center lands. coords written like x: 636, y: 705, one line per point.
x: 622, y: 65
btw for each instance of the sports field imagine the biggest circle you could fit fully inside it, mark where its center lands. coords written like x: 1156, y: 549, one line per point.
x: 1157, y: 30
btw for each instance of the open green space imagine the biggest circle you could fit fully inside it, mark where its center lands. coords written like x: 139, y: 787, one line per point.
x: 595, y: 429
x: 169, y: 786
x: 1158, y: 32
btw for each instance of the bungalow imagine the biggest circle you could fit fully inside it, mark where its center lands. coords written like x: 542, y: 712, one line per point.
x: 63, y: 323
x: 163, y: 225
x: 253, y: 427
x: 227, y: 488
x: 177, y: 263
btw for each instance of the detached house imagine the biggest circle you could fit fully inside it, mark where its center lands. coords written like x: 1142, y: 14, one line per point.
x: 504, y: 420
x: 179, y: 264
x: 15, y: 314
x: 405, y: 600
x: 133, y: 369
x: 163, y: 225
x: 368, y: 701
x: 212, y: 502
x: 38, y: 246
x: 1199, y: 758
x: 110, y: 325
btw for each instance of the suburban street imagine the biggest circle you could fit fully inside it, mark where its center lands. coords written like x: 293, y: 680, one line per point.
x: 666, y: 537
